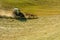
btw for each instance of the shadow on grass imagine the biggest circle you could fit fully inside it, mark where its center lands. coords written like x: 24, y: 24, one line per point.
x: 22, y: 19
x: 19, y: 19
x: 25, y: 19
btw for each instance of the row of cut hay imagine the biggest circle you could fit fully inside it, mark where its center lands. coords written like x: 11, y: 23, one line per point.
x: 9, y: 14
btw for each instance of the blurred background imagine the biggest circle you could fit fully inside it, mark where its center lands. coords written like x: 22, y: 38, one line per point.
x: 38, y: 7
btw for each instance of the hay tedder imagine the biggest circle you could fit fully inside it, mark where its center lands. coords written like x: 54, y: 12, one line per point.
x: 17, y: 14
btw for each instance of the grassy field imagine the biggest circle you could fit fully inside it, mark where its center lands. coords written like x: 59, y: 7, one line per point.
x: 38, y: 7
x: 46, y: 27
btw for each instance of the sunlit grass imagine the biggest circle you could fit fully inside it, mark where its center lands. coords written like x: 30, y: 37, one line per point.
x: 43, y: 28
x: 46, y: 27
x: 38, y: 7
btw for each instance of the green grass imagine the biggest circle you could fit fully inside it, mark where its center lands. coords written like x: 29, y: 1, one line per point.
x: 25, y: 3
x: 20, y: 3
x: 38, y: 7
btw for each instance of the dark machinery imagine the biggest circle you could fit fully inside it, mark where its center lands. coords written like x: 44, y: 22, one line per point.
x: 18, y: 14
